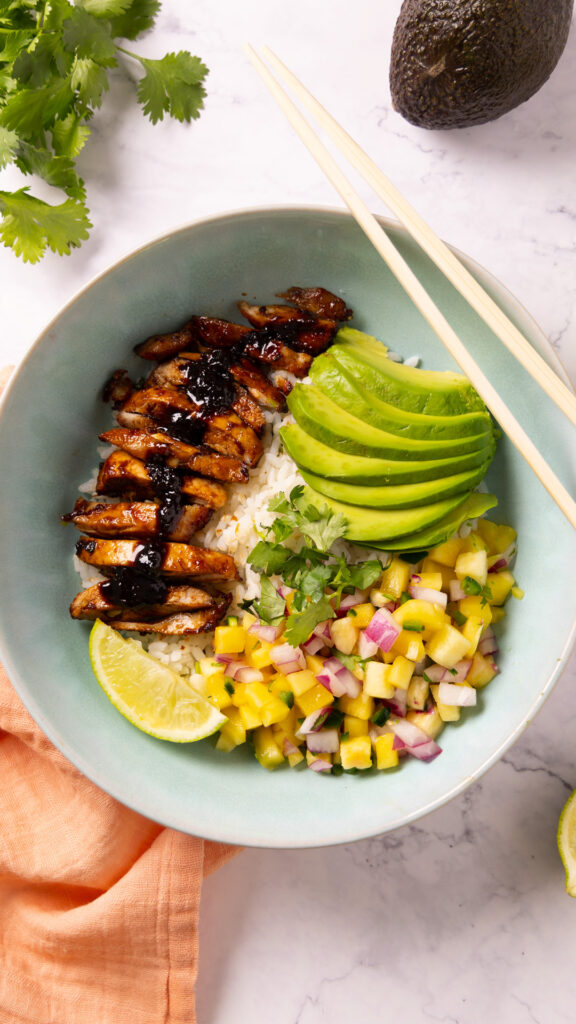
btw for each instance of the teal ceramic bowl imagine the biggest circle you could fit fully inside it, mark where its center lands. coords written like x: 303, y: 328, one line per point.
x: 50, y: 418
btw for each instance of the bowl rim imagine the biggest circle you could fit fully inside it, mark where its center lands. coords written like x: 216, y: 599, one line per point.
x: 218, y: 833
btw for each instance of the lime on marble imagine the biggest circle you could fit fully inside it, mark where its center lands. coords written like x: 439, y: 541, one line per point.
x: 567, y: 842
x: 150, y: 695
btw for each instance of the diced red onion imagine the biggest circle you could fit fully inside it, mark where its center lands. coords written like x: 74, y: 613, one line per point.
x: 488, y: 643
x: 383, y: 629
x: 505, y: 558
x: 366, y: 648
x: 310, y: 721
x: 456, y: 696
x: 415, y: 579
x: 339, y: 679
x: 436, y: 673
x: 349, y: 601
x: 426, y: 751
x: 225, y: 659
x: 319, y: 765
x: 288, y: 747
x: 287, y: 658
x: 323, y: 630
x: 248, y: 675
x: 283, y: 591
x: 378, y: 730
x: 398, y: 703
x: 456, y: 591
x: 459, y: 673
x: 265, y: 632
x: 428, y: 594
x: 398, y: 744
x: 416, y: 740
x: 326, y: 741
x: 313, y: 645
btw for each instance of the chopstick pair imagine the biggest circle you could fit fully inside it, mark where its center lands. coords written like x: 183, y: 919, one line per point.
x: 442, y: 257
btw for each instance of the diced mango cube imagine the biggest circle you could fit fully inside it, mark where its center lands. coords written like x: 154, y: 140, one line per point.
x: 448, y: 552
x: 447, y: 646
x: 473, y: 564
x: 296, y: 758
x: 286, y: 729
x: 500, y: 583
x: 356, y: 752
x: 250, y: 716
x: 217, y: 690
x: 257, y: 694
x: 248, y: 620
x: 482, y: 670
x: 266, y: 749
x: 301, y: 681
x: 472, y: 630
x: 229, y: 639
x: 418, y: 693
x: 447, y: 712
x: 310, y: 757
x: 233, y: 732
x: 210, y: 667
x: 409, y: 644
x: 476, y: 607
x: 376, y: 680
x: 274, y: 711
x: 474, y: 542
x: 362, y: 614
x: 431, y: 580
x: 314, y: 663
x: 446, y: 571
x: 355, y: 726
x: 394, y: 579
x: 497, y: 537
x: 344, y: 634
x: 259, y: 657
x: 420, y: 613
x: 361, y: 706
x: 386, y: 756
x: 429, y: 721
x: 317, y: 697
x: 401, y: 671
x: 498, y: 613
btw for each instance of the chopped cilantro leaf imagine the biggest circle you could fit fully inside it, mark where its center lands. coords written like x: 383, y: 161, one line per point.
x: 413, y: 627
x: 299, y: 627
x: 288, y: 697
x: 229, y: 687
x: 270, y: 608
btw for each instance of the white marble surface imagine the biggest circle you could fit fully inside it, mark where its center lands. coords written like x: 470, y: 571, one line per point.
x: 462, y: 917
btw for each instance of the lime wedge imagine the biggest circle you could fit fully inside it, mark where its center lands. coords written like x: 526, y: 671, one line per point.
x: 150, y: 695
x: 567, y: 842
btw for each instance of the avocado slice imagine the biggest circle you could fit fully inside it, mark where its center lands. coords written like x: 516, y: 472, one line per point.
x: 310, y: 454
x: 397, y: 495
x: 347, y: 391
x: 433, y: 392
x: 472, y: 507
x: 378, y: 525
x: 320, y: 417
x: 456, y: 63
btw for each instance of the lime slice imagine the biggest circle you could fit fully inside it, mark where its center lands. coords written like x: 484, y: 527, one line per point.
x: 567, y: 842
x: 150, y: 695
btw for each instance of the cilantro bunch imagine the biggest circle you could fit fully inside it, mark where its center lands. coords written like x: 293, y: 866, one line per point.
x: 296, y: 547
x: 55, y: 58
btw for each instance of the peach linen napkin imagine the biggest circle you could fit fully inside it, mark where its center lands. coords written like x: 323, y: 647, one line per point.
x: 98, y: 906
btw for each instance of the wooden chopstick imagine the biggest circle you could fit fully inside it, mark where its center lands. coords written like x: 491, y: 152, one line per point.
x: 417, y: 292
x: 435, y: 248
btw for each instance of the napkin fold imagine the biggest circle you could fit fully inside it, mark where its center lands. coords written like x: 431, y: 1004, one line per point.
x: 98, y: 905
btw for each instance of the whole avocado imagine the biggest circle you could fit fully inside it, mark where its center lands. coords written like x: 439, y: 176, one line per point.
x: 457, y: 63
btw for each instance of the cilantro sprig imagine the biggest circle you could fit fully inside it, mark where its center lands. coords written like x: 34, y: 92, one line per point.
x: 297, y: 547
x: 55, y: 59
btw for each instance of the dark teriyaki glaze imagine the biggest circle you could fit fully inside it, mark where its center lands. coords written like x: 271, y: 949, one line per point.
x: 84, y: 544
x: 168, y: 489
x: 208, y: 380
x: 131, y: 586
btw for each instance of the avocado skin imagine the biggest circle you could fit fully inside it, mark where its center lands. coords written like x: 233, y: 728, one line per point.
x: 457, y: 63
x: 397, y: 495
x: 344, y: 432
x: 310, y: 454
x: 351, y: 394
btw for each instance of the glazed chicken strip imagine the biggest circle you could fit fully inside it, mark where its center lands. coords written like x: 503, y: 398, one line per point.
x: 214, y: 333
x: 318, y: 301
x: 135, y: 519
x: 301, y: 331
x: 176, y: 373
x: 95, y: 603
x: 163, y: 346
x: 183, y: 624
x: 143, y: 443
x: 160, y: 406
x: 170, y: 559
x: 123, y: 475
